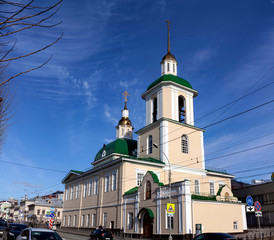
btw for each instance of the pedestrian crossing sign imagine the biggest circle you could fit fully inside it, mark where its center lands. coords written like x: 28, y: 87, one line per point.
x: 170, y: 208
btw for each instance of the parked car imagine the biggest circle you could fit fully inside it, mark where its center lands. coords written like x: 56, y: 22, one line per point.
x: 214, y: 236
x: 101, y: 234
x: 38, y: 234
x: 13, y: 230
x: 3, y: 226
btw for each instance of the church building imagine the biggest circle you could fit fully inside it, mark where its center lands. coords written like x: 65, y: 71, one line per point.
x: 157, y: 185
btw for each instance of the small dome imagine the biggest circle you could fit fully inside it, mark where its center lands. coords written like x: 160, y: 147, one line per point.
x: 120, y: 146
x: 125, y: 121
x: 169, y: 56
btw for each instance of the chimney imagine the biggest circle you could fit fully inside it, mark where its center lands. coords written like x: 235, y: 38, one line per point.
x: 26, y: 197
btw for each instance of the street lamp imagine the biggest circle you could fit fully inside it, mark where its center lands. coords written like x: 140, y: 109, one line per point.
x: 169, y: 183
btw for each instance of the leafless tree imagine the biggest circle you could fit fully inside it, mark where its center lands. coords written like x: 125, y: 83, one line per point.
x: 15, y: 17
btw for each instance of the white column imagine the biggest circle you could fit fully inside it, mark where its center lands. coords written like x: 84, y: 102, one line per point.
x: 202, y: 149
x: 136, y: 213
x: 158, y: 210
x: 124, y: 215
x: 164, y: 141
x: 188, y: 215
x: 180, y: 209
x: 159, y: 104
x: 244, y: 217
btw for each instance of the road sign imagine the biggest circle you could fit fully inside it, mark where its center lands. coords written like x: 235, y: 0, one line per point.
x: 257, y: 206
x: 170, y: 208
x: 258, y: 214
x: 249, y: 200
x: 250, y: 209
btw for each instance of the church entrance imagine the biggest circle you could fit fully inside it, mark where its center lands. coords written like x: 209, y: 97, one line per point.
x: 147, y: 226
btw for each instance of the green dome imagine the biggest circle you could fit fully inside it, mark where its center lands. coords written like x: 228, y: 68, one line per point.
x: 171, y: 78
x: 121, y: 146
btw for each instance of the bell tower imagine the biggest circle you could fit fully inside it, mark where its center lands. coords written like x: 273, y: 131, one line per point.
x: 169, y: 96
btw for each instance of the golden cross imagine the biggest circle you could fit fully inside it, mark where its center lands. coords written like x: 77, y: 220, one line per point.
x: 125, y: 95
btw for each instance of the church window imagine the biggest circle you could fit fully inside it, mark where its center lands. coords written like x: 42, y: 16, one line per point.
x: 71, y: 192
x: 197, y: 187
x: 85, y: 188
x: 69, y: 220
x: 114, y: 181
x: 65, y: 219
x: 182, y: 112
x: 74, y: 220
x: 96, y: 181
x: 93, y: 220
x: 154, y: 114
x: 104, y: 219
x: 184, y: 144
x: 90, y: 187
x: 83, y: 220
x: 140, y: 177
x: 169, y: 221
x: 149, y: 148
x: 130, y: 220
x: 174, y: 68
x: 66, y: 194
x: 168, y: 67
x: 227, y: 196
x: 88, y: 220
x: 211, y: 188
x: 107, y: 183
x: 148, y: 190
x: 77, y: 191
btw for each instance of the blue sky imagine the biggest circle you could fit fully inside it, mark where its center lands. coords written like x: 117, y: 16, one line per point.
x: 66, y: 111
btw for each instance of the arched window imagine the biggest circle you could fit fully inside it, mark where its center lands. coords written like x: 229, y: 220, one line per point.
x: 182, y: 112
x: 148, y: 190
x: 184, y: 144
x: 149, y: 144
x: 154, y: 113
x: 168, y: 67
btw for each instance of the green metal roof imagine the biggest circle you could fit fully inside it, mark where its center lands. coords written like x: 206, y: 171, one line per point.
x: 172, y: 78
x: 121, y: 146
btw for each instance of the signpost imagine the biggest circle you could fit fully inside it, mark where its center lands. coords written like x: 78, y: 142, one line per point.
x: 258, y: 214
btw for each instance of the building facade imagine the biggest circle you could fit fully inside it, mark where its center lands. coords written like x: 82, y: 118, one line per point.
x: 264, y: 193
x: 132, y: 181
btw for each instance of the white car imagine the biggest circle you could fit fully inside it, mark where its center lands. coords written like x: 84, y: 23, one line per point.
x: 38, y: 234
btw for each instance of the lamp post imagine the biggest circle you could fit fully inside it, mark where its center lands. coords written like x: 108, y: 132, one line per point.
x: 169, y: 183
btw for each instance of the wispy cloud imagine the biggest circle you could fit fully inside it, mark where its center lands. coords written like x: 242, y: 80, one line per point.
x: 109, y: 115
x: 27, y: 184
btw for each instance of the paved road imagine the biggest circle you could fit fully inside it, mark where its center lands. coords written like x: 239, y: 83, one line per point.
x: 69, y: 236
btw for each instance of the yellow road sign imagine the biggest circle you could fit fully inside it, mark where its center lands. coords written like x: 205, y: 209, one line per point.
x: 170, y: 208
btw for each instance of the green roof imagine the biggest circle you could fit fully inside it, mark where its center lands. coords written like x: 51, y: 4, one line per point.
x: 172, y: 78
x: 121, y: 146
x: 75, y: 171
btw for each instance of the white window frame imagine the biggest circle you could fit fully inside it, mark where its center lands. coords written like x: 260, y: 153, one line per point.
x: 77, y: 191
x: 211, y: 192
x: 67, y: 194
x: 85, y: 188
x: 65, y: 220
x: 149, y: 144
x: 74, y: 221
x: 90, y: 187
x: 88, y: 220
x: 114, y: 180
x: 196, y: 186
x: 130, y: 220
x: 69, y: 220
x: 185, y: 144
x: 71, y: 192
x: 107, y: 182
x: 83, y: 220
x: 93, y: 220
x: 167, y: 221
x: 96, y: 185
x: 105, y: 216
x: 139, y: 177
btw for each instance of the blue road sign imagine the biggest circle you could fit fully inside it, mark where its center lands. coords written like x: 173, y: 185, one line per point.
x: 249, y: 200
